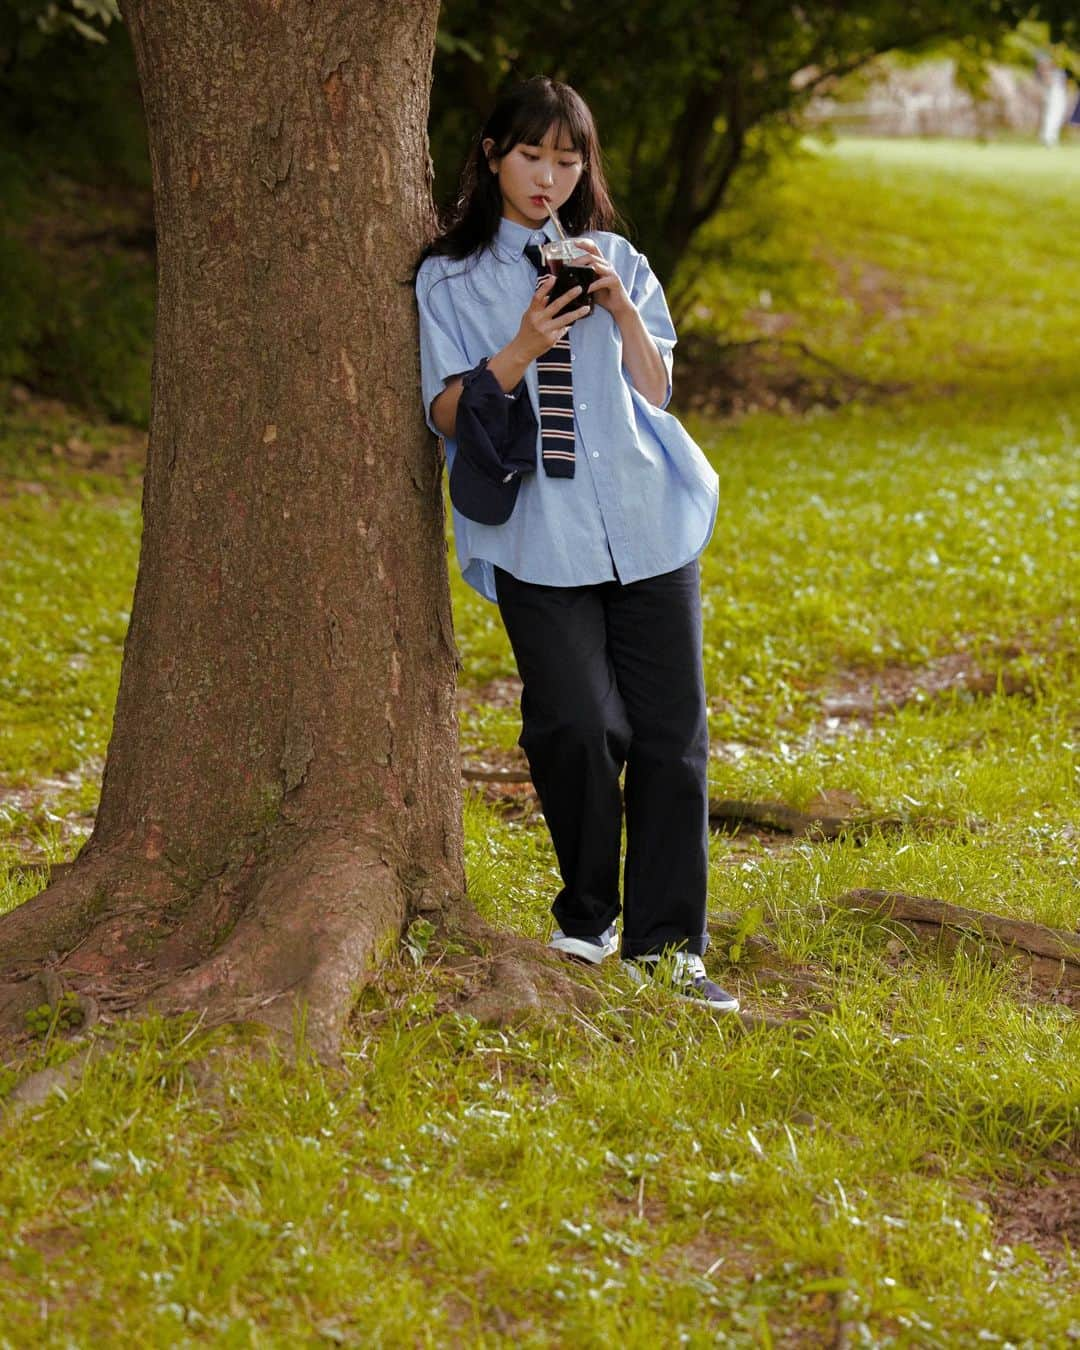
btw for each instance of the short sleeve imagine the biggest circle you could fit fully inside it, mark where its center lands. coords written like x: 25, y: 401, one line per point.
x: 442, y: 350
x: 648, y: 297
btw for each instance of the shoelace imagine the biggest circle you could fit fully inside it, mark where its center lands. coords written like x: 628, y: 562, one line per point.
x: 689, y: 966
x: 686, y: 967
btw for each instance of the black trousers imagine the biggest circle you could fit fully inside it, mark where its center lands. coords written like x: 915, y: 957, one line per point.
x: 612, y: 676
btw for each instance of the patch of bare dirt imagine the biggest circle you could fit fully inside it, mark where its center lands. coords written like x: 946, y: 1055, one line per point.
x: 123, y: 451
x: 872, y: 289
x: 118, y: 457
x: 865, y: 695
x: 502, y: 692
x: 1041, y: 1212
x: 38, y: 802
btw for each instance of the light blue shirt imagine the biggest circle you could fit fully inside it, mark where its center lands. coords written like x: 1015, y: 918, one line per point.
x: 643, y: 498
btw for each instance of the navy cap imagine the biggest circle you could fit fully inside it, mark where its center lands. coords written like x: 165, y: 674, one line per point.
x: 496, y: 444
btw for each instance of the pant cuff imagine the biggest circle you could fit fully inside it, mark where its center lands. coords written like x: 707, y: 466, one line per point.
x: 591, y: 927
x: 657, y: 946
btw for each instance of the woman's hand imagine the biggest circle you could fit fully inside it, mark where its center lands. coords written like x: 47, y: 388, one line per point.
x: 607, y: 289
x: 545, y: 322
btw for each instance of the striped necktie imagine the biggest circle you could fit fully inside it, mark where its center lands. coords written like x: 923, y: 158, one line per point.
x: 556, y: 383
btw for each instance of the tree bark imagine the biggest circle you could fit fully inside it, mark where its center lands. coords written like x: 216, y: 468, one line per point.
x: 282, y: 782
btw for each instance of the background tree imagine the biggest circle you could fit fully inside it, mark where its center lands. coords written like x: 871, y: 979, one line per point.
x: 692, y: 99
x: 687, y: 95
x: 76, y: 224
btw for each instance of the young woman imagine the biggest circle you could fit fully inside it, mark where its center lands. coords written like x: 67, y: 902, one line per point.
x: 581, y: 508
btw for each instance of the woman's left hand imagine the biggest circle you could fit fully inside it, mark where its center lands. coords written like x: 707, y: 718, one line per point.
x: 607, y: 289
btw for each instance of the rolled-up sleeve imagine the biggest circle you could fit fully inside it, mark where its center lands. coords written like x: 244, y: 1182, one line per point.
x: 648, y: 297
x: 442, y: 348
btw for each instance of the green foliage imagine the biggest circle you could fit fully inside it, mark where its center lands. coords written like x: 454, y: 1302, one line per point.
x: 45, y: 1020
x: 96, y: 344
x: 88, y: 19
x: 82, y: 329
x: 24, y: 284
x: 68, y: 105
x: 76, y: 265
x: 417, y: 939
x: 688, y: 97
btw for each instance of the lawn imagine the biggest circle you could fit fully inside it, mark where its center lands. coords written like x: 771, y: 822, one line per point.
x: 891, y: 626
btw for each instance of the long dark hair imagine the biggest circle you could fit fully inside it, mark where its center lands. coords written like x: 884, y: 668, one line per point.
x: 525, y: 114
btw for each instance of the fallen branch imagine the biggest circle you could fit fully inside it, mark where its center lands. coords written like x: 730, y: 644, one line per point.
x: 496, y: 775
x: 779, y: 818
x: 850, y: 377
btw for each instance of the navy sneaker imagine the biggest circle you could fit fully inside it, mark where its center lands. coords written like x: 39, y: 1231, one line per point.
x: 592, y: 949
x: 682, y: 974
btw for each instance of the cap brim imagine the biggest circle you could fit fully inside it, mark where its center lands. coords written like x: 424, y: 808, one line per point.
x: 479, y: 497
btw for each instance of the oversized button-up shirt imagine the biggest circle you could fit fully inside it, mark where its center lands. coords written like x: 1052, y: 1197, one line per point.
x: 643, y: 498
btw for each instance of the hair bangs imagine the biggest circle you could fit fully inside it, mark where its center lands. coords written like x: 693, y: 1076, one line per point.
x: 549, y: 108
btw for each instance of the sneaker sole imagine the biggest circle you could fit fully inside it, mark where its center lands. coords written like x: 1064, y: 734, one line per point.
x: 583, y: 950
x: 729, y: 1005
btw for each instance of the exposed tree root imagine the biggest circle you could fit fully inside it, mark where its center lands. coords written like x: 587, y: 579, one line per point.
x: 285, y: 945
x: 472, y: 775
x: 775, y: 817
x: 286, y: 941
x: 1052, y: 954
x: 507, y: 979
x: 97, y: 896
x: 303, y: 945
x: 38, y: 1087
x: 779, y: 818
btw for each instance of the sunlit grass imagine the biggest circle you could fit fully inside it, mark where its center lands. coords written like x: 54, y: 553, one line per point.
x: 933, y: 263
x: 644, y: 1175
x: 553, y: 1184
x: 68, y: 550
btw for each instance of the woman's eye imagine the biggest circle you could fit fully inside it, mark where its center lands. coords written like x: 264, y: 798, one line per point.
x: 568, y: 164
x: 528, y: 156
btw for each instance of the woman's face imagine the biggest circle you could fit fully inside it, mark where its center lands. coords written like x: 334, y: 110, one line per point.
x: 530, y: 176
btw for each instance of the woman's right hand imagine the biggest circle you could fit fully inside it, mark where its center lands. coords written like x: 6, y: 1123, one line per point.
x: 542, y: 325
x: 545, y: 322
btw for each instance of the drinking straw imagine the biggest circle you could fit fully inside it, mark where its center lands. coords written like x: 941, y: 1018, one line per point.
x: 556, y: 222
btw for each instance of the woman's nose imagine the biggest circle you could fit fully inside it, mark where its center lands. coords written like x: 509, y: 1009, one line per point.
x: 546, y: 176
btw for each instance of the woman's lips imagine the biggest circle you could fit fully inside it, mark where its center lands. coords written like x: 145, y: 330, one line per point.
x: 539, y: 201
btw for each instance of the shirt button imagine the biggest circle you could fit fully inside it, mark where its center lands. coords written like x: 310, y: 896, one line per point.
x: 596, y: 454
x: 582, y: 407
x: 573, y: 357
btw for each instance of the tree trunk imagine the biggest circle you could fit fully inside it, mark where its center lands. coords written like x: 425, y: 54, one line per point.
x: 282, y: 782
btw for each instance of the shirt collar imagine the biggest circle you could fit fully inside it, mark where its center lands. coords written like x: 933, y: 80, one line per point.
x: 512, y: 237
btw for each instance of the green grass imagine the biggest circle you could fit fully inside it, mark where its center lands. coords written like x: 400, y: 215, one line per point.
x: 645, y: 1176
x: 936, y: 262
x: 68, y: 551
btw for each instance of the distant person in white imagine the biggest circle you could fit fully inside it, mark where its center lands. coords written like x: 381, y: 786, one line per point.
x: 1055, y: 100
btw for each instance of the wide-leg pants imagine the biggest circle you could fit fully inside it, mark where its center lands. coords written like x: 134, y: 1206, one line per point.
x: 612, y: 676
